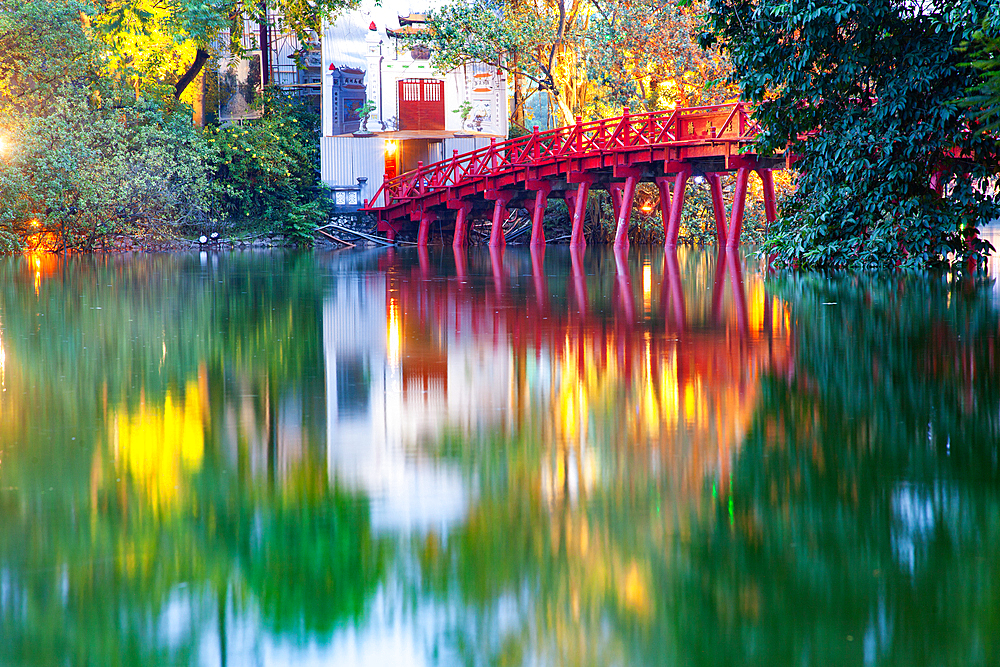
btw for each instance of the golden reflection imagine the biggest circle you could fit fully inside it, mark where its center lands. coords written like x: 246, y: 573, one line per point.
x: 41, y: 263
x: 393, y: 343
x: 158, y: 447
x: 647, y: 286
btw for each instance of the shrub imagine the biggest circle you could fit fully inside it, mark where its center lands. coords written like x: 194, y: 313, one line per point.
x: 267, y: 169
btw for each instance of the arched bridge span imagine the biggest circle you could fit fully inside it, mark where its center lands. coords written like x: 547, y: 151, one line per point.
x: 663, y: 147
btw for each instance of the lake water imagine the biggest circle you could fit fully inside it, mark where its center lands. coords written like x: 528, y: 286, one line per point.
x: 395, y: 458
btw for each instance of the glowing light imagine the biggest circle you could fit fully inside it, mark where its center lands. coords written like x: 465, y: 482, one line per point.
x: 390, y: 147
x: 35, y: 223
x: 646, y: 207
x: 3, y: 144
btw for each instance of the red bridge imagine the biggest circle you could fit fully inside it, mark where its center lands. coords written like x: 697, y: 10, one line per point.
x: 615, y: 154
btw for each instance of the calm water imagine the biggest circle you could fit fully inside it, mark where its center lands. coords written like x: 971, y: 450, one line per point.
x: 394, y: 459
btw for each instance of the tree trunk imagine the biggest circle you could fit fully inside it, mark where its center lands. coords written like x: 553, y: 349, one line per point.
x: 200, y: 57
x: 199, y: 100
x: 265, y: 47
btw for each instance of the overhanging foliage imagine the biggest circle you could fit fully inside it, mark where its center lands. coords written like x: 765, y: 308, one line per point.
x: 868, y: 94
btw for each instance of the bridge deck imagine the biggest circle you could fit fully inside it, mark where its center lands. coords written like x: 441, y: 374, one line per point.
x: 665, y: 147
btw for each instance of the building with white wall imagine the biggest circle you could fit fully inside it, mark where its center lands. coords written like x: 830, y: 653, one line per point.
x: 371, y: 55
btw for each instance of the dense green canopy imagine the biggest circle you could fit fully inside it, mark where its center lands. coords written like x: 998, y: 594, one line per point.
x: 870, y: 95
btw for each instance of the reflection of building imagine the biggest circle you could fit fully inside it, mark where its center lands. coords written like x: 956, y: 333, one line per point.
x: 374, y: 420
x: 419, y: 114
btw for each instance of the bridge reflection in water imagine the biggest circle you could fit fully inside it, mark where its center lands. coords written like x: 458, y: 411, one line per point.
x: 659, y: 351
x: 560, y: 377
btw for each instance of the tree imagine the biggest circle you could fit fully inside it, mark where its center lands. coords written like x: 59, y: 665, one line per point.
x: 169, y: 41
x: 867, y: 95
x: 89, y: 165
x: 645, y: 52
x: 590, y: 56
x: 983, y: 49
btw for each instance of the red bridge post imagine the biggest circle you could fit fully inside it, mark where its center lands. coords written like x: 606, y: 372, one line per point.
x: 460, y: 237
x: 615, y: 189
x: 739, y: 202
x: 663, y: 185
x: 625, y: 214
x: 583, y: 181
x: 500, y: 199
x: 718, y: 207
x: 677, y: 206
x: 767, y: 186
x: 542, y: 189
x: 426, y: 219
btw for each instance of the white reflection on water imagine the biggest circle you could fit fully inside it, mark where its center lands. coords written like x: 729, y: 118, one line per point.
x: 374, y: 420
x: 917, y: 512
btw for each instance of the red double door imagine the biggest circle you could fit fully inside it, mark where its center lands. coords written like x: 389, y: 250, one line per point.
x: 421, y: 104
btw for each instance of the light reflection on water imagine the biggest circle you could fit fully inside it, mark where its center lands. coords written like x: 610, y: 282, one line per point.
x: 431, y: 458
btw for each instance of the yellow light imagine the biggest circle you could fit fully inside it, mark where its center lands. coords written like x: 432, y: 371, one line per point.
x: 390, y: 147
x: 35, y: 223
x: 647, y: 207
x: 3, y: 145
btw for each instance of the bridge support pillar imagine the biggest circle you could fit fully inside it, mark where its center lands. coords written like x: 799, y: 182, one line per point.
x: 461, y: 237
x: 542, y: 190
x: 427, y: 218
x: 625, y: 213
x: 500, y: 199
x: 677, y: 206
x: 718, y: 207
x: 496, y: 231
x: 739, y: 202
x: 579, y: 206
x: 767, y: 185
x: 663, y: 185
x: 615, y: 189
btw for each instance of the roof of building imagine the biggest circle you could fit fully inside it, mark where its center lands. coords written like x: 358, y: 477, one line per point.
x: 406, y: 31
x: 412, y: 18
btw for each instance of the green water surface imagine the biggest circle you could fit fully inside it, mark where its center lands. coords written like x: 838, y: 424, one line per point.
x: 400, y: 458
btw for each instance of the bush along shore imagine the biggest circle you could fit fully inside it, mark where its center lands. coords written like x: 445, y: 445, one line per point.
x: 91, y: 159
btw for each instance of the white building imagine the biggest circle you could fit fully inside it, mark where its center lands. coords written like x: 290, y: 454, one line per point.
x: 418, y: 111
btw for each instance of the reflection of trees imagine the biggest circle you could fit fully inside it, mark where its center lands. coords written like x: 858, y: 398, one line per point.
x: 154, y: 471
x: 865, y: 498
